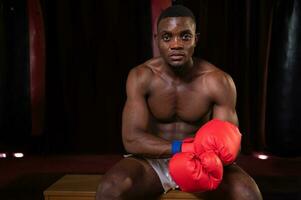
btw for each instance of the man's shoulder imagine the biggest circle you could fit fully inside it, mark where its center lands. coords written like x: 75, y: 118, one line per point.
x: 212, y: 73
x: 214, y: 78
x: 146, y: 69
x: 143, y: 74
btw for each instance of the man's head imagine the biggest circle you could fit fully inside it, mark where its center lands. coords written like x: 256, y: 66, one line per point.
x: 176, y: 35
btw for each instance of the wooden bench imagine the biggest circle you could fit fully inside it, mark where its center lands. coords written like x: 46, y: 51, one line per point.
x: 83, y: 187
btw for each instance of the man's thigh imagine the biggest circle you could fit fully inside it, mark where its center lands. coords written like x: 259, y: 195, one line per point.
x: 236, y: 184
x: 134, y: 177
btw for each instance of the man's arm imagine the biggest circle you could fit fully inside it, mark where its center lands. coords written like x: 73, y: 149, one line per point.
x: 215, y: 144
x: 135, y: 120
x: 223, y: 94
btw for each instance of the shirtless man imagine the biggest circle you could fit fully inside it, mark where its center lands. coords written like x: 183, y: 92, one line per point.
x: 169, y: 98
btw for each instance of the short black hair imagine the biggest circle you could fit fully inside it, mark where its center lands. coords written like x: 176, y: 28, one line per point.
x: 176, y: 11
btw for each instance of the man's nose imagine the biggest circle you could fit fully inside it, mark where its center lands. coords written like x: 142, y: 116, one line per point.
x: 176, y: 43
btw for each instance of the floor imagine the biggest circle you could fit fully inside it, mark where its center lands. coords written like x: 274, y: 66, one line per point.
x: 27, y: 178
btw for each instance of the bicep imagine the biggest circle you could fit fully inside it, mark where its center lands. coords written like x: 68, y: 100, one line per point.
x: 135, y: 118
x: 225, y: 101
x: 225, y: 113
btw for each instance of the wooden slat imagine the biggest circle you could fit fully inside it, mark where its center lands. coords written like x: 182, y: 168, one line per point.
x: 74, y: 185
x: 83, y: 187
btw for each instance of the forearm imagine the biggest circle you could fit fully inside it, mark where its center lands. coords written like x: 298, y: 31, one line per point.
x: 148, y: 145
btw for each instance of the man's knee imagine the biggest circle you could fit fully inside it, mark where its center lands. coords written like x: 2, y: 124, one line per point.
x: 246, y: 189
x: 114, y: 187
x: 243, y: 187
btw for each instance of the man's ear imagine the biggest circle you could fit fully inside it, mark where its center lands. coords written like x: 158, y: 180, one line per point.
x: 197, y: 35
x: 155, y: 36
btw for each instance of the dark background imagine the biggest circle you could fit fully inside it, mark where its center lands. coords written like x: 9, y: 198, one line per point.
x: 90, y: 47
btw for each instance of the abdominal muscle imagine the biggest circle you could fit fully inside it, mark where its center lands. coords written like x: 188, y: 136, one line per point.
x: 177, y: 130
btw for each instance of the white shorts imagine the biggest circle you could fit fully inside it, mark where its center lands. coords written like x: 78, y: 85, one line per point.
x: 161, y: 168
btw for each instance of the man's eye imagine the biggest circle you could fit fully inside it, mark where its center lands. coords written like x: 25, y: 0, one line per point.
x: 165, y: 38
x: 186, y: 37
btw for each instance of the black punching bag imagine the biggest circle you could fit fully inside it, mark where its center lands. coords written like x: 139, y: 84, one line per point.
x: 283, y: 114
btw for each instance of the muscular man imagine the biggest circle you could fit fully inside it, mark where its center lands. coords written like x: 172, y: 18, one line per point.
x: 169, y: 98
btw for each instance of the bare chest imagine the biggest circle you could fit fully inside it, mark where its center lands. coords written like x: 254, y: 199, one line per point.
x: 178, y: 102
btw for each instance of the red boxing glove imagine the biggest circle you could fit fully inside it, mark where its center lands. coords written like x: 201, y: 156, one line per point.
x: 221, y: 137
x: 187, y: 145
x: 196, y: 173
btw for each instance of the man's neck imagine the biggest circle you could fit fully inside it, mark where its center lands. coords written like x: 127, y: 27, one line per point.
x: 183, y: 72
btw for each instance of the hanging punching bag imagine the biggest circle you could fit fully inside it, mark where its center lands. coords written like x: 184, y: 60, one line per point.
x: 283, y: 121
x: 37, y: 61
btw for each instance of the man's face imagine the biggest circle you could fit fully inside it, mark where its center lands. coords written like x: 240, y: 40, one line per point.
x: 176, y: 40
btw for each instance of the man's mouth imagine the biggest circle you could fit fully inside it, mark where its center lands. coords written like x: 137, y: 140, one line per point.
x: 176, y: 56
